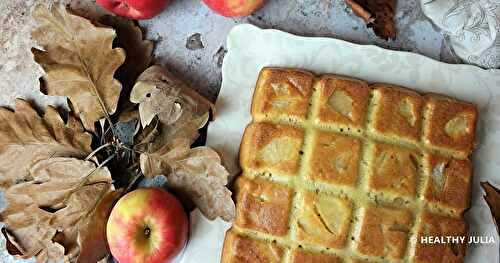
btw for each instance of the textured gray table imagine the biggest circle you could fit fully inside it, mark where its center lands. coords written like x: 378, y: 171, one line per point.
x: 190, y: 23
x: 329, y: 18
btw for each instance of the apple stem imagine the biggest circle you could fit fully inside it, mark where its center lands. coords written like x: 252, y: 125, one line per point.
x: 147, y: 232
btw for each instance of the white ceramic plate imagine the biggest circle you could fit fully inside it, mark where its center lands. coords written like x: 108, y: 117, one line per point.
x: 250, y: 49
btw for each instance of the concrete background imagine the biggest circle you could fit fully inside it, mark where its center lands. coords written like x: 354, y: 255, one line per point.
x: 191, y: 21
x: 330, y: 18
x: 190, y: 40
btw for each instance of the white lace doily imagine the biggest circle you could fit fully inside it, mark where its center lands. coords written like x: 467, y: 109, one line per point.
x: 473, y: 27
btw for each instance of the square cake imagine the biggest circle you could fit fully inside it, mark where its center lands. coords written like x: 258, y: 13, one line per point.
x: 338, y: 170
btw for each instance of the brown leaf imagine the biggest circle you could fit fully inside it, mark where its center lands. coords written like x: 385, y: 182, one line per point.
x: 139, y: 51
x: 92, y: 234
x: 377, y: 14
x: 197, y: 173
x: 26, y: 138
x: 10, y: 245
x: 172, y: 114
x: 79, y: 62
x: 71, y: 220
x: 180, y: 109
x: 159, y: 162
x: 144, y: 140
x: 54, y: 252
x: 492, y: 197
x: 186, y: 126
x: 51, y: 206
x: 29, y: 227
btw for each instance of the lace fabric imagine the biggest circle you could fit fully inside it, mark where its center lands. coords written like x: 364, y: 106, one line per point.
x: 472, y: 27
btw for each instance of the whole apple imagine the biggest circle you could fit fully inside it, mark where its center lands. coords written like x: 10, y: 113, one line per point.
x: 234, y: 8
x: 147, y: 225
x: 135, y: 9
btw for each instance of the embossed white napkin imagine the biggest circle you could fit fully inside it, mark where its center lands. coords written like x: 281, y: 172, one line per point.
x: 472, y: 27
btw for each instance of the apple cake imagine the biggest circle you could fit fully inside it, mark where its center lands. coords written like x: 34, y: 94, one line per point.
x: 337, y: 170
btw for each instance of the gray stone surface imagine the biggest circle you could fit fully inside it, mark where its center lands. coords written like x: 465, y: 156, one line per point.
x: 186, y: 21
x: 190, y: 39
x: 330, y: 18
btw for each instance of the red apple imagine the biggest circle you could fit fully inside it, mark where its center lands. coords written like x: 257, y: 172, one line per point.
x: 234, y: 8
x: 135, y: 9
x: 147, y: 225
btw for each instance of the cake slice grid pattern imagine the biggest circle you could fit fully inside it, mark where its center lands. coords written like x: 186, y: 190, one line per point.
x: 356, y: 176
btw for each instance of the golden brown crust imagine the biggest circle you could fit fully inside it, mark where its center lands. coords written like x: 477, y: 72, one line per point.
x: 337, y: 170
x: 450, y: 125
x: 437, y: 226
x: 323, y: 220
x: 239, y: 249
x: 341, y: 101
x: 271, y: 148
x: 396, y: 113
x: 384, y: 232
x: 282, y: 93
x: 301, y: 256
x: 341, y: 166
x: 263, y: 206
x: 394, y: 170
x: 358, y: 260
x: 449, y: 183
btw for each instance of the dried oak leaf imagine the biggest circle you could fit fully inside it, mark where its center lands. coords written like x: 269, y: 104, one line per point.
x: 46, y: 215
x: 79, y: 62
x: 377, y: 14
x: 26, y: 138
x: 139, y: 51
x: 144, y: 140
x: 492, y: 197
x: 92, y: 231
x: 181, y: 111
x: 10, y: 245
x: 172, y: 113
x: 196, y: 173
